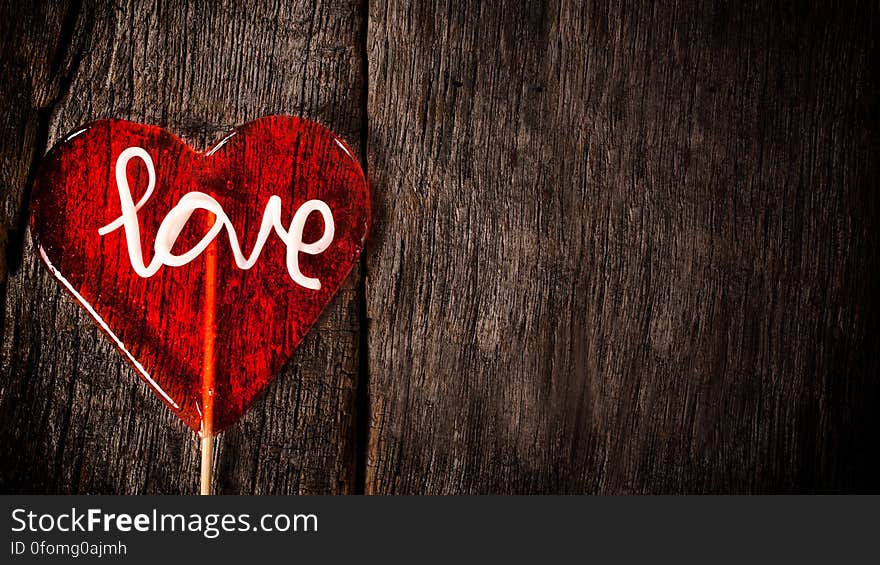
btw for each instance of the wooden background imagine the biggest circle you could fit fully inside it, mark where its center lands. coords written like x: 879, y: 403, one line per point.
x: 617, y: 250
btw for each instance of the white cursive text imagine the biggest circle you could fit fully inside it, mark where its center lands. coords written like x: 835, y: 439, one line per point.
x: 175, y: 220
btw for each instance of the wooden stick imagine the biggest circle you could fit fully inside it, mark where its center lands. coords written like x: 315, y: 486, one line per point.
x: 207, y: 464
x: 208, y: 372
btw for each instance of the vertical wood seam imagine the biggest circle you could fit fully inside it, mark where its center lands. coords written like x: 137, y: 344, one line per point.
x: 15, y: 244
x: 362, y: 395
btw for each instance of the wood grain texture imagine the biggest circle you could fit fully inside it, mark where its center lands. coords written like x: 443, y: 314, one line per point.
x: 616, y: 249
x: 622, y: 250
x: 80, y: 420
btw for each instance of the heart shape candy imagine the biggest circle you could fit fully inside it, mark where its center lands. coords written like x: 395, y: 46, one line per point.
x: 206, y: 269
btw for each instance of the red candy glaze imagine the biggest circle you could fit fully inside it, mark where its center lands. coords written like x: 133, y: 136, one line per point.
x: 159, y: 322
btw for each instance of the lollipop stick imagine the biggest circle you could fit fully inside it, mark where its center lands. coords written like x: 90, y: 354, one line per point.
x: 208, y: 372
x: 207, y: 464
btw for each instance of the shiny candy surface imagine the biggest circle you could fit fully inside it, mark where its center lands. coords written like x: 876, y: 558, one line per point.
x: 137, y: 226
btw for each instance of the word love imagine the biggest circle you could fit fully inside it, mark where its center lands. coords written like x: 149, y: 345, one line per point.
x: 173, y: 223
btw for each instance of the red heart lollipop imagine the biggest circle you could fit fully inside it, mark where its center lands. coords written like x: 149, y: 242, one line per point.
x: 206, y: 269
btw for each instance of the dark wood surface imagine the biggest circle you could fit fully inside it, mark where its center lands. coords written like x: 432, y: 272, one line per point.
x: 75, y: 418
x: 616, y: 250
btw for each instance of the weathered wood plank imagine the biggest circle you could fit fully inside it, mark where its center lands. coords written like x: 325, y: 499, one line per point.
x: 82, y: 420
x: 622, y: 249
x: 616, y: 251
